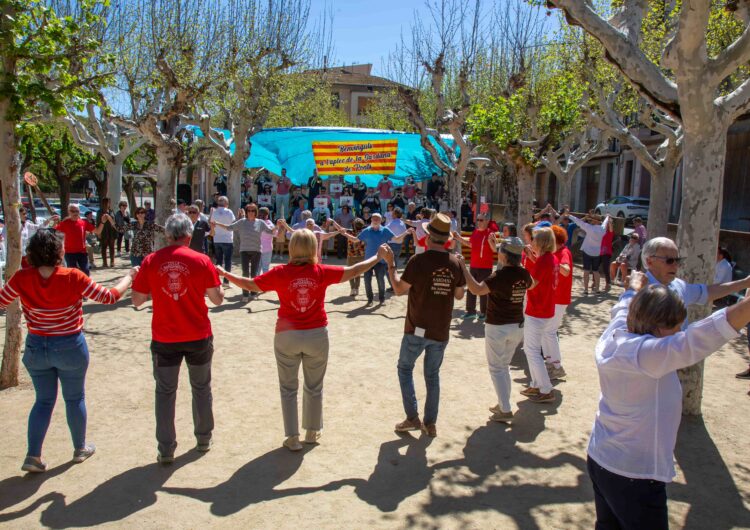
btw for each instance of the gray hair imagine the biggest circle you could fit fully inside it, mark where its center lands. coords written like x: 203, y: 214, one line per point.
x: 178, y: 226
x: 306, y: 214
x: 654, y: 307
x: 223, y: 199
x: 652, y: 246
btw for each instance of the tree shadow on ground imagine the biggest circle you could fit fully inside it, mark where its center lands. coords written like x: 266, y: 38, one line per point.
x: 117, y: 498
x: 253, y: 483
x: 715, y: 502
x: 366, y: 310
x: 15, y: 490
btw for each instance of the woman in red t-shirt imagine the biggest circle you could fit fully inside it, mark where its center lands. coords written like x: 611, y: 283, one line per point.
x: 550, y: 342
x: 540, y: 311
x: 51, y: 299
x: 606, y: 256
x: 301, y: 328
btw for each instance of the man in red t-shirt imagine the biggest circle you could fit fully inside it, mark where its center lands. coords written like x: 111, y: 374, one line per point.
x: 482, y: 260
x: 74, y: 228
x: 177, y: 279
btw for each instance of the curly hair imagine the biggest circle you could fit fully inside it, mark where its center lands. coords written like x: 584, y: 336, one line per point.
x: 561, y: 235
x: 45, y: 248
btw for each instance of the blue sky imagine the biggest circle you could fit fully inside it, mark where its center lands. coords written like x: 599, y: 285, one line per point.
x: 366, y: 30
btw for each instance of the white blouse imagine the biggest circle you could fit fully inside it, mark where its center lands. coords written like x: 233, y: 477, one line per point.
x: 640, y: 406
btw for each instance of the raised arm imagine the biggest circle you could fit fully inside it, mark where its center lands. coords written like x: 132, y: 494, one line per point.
x: 478, y: 289
x: 720, y: 290
x: 244, y: 283
x: 400, y: 287
x: 399, y: 239
x: 458, y: 237
x: 355, y: 270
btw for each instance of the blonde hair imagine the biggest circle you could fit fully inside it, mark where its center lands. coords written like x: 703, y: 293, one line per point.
x: 545, y: 240
x: 303, y: 248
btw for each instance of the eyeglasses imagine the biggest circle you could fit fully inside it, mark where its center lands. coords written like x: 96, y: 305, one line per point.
x: 670, y: 261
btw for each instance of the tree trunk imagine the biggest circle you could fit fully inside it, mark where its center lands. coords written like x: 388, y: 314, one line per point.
x: 698, y: 231
x: 563, y: 190
x: 168, y: 158
x: 114, y: 182
x: 128, y: 186
x: 525, y: 173
x: 102, y: 190
x: 9, y: 182
x: 63, y: 184
x: 661, y: 201
x: 234, y: 184
x: 509, y: 181
x: 454, y: 195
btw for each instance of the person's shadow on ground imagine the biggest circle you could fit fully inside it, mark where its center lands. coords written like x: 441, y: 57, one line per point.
x: 715, y: 502
x: 117, y: 498
x: 494, y: 448
x: 15, y: 490
x: 254, y: 482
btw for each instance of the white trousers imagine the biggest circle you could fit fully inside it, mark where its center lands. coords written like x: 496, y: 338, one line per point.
x: 534, y: 330
x: 500, y: 343
x: 550, y: 341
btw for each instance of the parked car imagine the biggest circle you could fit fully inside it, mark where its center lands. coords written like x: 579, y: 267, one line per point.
x: 624, y: 206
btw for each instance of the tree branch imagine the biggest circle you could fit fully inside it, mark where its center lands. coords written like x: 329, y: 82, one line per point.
x: 624, y: 53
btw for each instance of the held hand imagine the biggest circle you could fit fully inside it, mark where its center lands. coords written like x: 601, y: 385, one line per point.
x: 638, y: 281
x: 220, y: 270
x: 385, y: 252
x: 133, y: 272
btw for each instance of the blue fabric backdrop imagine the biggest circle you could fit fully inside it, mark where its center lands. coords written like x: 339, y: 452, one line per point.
x: 291, y: 148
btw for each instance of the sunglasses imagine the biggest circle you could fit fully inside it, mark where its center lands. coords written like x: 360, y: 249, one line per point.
x: 670, y: 261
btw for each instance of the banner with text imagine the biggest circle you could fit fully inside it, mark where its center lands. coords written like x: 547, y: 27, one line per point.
x: 356, y: 158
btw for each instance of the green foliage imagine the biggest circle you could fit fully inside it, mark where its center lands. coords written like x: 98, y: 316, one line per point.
x: 386, y: 112
x: 54, y: 157
x: 44, y: 55
x: 303, y: 99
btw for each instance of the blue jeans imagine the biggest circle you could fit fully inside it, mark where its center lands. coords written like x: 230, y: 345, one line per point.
x: 48, y: 359
x: 78, y: 260
x: 411, y: 348
x: 379, y: 271
x: 135, y: 261
x: 223, y: 255
x: 396, y: 248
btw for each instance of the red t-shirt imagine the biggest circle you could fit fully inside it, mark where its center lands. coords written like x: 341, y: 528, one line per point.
x: 607, y: 239
x: 385, y: 189
x: 409, y: 191
x: 52, y: 306
x: 564, y: 283
x: 177, y: 277
x: 482, y: 251
x: 75, y: 234
x: 540, y: 301
x: 302, y: 291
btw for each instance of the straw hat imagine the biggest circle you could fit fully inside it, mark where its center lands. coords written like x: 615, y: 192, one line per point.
x: 439, y: 227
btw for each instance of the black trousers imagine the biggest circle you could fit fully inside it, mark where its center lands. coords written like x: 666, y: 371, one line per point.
x: 471, y: 299
x: 250, y: 265
x: 167, y: 358
x: 624, y: 503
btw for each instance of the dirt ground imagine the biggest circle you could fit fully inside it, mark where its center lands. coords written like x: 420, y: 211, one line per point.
x: 475, y: 474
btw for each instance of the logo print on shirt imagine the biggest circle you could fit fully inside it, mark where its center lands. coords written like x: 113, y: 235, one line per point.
x: 177, y: 278
x: 303, y: 288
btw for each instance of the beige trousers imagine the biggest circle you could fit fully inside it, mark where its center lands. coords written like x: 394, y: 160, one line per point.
x: 310, y: 348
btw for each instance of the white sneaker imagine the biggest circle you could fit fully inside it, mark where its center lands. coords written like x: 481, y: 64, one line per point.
x: 292, y: 443
x: 312, y: 437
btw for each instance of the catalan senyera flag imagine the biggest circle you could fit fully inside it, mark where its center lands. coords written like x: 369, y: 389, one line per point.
x: 355, y: 158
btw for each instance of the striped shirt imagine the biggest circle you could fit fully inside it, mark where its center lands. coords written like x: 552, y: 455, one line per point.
x: 53, y: 306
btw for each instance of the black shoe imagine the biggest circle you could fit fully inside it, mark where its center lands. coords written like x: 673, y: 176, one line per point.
x: 381, y: 301
x: 743, y: 375
x: 369, y: 302
x: 389, y: 290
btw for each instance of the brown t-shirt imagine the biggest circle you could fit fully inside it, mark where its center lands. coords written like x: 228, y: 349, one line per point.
x: 433, y: 276
x: 507, y: 288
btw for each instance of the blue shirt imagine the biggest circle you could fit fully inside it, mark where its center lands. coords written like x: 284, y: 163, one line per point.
x: 689, y: 293
x: 373, y: 239
x: 570, y: 229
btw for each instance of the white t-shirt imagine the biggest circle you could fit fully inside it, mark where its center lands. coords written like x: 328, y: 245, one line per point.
x: 723, y: 272
x: 226, y: 217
